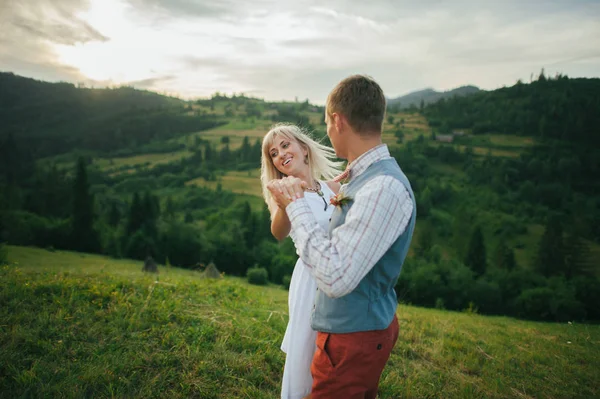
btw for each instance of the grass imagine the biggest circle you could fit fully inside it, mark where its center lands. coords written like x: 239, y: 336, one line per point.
x: 144, y: 159
x: 75, y: 325
x: 239, y: 182
x: 509, y: 140
x: 483, y: 151
x: 236, y: 130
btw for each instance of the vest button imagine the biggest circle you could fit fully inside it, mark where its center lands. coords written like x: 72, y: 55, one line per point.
x: 379, y: 347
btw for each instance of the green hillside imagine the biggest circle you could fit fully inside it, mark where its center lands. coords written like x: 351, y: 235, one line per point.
x: 54, y: 118
x: 78, y: 325
x: 508, y: 219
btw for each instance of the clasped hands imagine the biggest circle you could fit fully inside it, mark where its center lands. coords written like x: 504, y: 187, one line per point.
x: 286, y: 190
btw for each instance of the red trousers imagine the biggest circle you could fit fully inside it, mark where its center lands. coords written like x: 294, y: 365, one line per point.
x: 348, y: 366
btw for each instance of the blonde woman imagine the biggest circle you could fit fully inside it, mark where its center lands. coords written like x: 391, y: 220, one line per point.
x: 288, y: 151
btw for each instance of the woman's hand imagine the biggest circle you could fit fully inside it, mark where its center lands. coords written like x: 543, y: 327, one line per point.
x: 286, y: 190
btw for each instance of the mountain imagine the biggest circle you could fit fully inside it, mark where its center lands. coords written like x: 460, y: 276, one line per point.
x: 430, y: 96
x: 560, y: 108
x: 52, y: 118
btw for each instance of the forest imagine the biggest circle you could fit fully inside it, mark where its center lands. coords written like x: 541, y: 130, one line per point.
x: 506, y: 183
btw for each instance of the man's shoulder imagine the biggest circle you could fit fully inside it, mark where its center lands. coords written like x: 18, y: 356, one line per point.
x: 385, y: 183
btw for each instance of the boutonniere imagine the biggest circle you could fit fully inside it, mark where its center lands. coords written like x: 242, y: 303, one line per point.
x: 345, y: 180
x: 339, y: 200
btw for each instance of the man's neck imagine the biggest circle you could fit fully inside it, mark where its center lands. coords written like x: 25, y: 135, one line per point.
x: 361, y: 145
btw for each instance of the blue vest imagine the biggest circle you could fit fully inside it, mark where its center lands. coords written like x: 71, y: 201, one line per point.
x: 372, y: 304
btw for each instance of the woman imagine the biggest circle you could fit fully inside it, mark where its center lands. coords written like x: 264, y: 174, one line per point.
x: 288, y: 151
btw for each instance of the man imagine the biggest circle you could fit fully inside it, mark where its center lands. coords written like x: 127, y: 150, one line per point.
x: 357, y: 262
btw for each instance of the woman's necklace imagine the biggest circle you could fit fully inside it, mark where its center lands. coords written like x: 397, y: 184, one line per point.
x: 319, y: 192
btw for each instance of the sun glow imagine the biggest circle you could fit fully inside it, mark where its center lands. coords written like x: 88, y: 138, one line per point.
x: 127, y: 54
x: 138, y: 49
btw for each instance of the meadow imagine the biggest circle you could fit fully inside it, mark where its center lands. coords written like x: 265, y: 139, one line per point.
x: 80, y: 325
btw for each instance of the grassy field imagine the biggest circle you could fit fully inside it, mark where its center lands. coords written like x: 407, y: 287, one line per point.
x: 76, y: 325
x: 145, y: 159
x: 413, y: 126
x: 239, y: 182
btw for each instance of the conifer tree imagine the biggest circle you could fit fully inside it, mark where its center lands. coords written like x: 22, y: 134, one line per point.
x: 476, y: 256
x: 114, y: 215
x: 84, y: 237
x: 504, y: 257
x: 135, y: 219
x: 550, y: 259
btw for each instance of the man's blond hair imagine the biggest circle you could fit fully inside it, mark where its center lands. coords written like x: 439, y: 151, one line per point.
x: 360, y: 99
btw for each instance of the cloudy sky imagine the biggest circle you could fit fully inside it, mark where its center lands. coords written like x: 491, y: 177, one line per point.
x: 286, y: 49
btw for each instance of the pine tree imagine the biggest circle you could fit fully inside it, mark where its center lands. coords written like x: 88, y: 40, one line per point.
x: 114, y: 216
x: 248, y: 222
x: 197, y: 157
x: 425, y: 240
x: 245, y: 150
x: 84, y: 237
x: 136, y: 215
x: 256, y: 151
x: 476, y: 255
x: 576, y: 256
x: 265, y: 225
x: 9, y: 160
x: 3, y: 254
x: 462, y: 224
x: 550, y: 259
x: 208, y: 152
x: 150, y: 212
x: 225, y: 155
x: 169, y: 208
x: 504, y: 257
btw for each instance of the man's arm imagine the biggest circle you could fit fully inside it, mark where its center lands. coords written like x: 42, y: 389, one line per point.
x: 380, y: 213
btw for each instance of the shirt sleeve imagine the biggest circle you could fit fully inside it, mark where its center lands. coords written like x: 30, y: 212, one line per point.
x: 380, y: 213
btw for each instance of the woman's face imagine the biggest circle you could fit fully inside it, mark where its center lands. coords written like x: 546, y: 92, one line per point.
x: 288, y: 156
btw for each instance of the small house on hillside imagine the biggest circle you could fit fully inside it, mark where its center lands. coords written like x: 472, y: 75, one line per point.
x: 444, y: 138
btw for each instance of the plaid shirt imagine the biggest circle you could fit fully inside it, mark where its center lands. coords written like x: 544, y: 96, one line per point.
x: 381, y: 211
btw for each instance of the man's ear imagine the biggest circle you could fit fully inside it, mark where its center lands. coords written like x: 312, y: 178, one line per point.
x: 339, y: 121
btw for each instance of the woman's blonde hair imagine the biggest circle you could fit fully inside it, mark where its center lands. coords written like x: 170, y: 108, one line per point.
x: 321, y: 159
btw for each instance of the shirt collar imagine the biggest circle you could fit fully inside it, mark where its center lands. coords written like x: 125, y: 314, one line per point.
x: 360, y: 164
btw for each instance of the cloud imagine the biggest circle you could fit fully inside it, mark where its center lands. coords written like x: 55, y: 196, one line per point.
x: 30, y: 28
x: 151, y: 83
x: 284, y: 49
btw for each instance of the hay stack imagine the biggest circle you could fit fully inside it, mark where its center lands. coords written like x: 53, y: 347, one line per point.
x: 150, y: 265
x: 211, y: 271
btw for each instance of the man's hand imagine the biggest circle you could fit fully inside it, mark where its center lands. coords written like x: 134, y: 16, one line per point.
x: 286, y: 190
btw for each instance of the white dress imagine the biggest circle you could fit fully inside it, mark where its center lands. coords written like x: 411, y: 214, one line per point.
x: 299, y: 339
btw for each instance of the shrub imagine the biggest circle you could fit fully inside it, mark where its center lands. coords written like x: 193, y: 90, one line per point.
x: 3, y: 254
x: 487, y: 296
x: 588, y: 293
x: 281, y: 266
x: 286, y: 282
x: 257, y: 276
x: 534, y: 303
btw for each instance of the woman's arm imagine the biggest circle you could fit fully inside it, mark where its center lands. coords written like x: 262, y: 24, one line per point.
x: 280, y: 223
